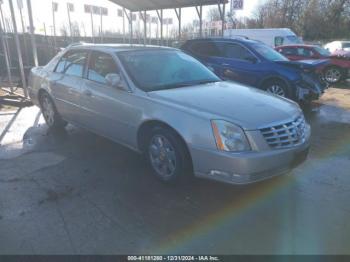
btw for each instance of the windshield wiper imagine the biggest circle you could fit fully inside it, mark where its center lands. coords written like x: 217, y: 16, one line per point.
x: 207, y: 82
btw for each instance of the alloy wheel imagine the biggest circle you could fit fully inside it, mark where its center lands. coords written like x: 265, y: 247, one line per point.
x: 48, y: 110
x: 276, y: 89
x: 333, y: 75
x: 162, y: 156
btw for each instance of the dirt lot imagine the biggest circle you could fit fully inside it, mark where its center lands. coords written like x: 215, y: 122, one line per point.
x: 77, y: 193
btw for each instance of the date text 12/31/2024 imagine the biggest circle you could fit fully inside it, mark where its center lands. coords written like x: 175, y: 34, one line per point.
x: 173, y: 258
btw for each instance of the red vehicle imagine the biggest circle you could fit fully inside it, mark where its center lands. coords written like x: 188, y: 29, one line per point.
x: 339, y: 63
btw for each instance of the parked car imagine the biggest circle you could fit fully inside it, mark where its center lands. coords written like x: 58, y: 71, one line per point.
x: 337, y: 45
x: 338, y: 68
x: 271, y: 36
x: 167, y: 105
x: 255, y: 64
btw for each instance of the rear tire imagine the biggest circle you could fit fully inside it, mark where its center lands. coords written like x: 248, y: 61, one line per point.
x: 167, y: 156
x: 49, y: 111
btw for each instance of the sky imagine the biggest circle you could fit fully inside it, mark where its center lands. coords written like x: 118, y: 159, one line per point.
x: 43, y: 15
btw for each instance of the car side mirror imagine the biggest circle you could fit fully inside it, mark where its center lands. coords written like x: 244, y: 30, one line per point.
x: 114, y: 80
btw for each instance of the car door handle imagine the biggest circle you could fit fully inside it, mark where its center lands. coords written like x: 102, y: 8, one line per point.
x: 87, y: 93
x: 225, y: 64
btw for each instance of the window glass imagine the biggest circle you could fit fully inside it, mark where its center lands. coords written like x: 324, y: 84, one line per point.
x: 288, y: 51
x: 322, y: 51
x: 205, y: 49
x: 101, y: 64
x: 150, y: 73
x: 346, y: 45
x: 304, y: 52
x: 268, y: 52
x: 236, y: 52
x: 72, y: 63
x: 279, y: 40
x: 294, y: 39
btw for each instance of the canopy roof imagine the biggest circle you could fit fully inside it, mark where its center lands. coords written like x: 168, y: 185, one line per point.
x: 145, y: 5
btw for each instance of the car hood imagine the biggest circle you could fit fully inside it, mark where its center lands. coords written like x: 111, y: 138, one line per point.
x: 246, y: 106
x: 305, y: 64
x: 341, y: 55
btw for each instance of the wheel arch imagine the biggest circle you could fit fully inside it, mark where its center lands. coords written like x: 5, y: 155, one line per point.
x: 145, y: 129
x: 40, y: 93
x: 273, y: 77
x: 341, y: 69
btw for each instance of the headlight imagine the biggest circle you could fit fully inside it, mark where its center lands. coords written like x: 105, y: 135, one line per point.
x: 229, y: 137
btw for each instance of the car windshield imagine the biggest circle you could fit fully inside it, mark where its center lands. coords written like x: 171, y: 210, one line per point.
x: 294, y: 39
x: 269, y: 53
x: 322, y: 51
x: 153, y: 70
x: 346, y: 45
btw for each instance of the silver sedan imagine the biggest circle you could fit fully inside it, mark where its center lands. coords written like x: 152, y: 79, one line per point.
x: 168, y: 106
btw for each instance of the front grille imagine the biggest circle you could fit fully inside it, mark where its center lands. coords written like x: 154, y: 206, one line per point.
x: 285, y: 135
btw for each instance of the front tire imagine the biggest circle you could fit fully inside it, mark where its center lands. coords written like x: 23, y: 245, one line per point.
x: 278, y: 87
x: 333, y: 75
x: 49, y: 111
x: 167, y: 156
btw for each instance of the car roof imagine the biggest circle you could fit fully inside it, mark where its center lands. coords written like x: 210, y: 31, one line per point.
x: 117, y: 47
x: 298, y: 45
x: 227, y: 39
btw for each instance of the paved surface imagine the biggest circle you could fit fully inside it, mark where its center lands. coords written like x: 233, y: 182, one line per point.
x: 76, y: 193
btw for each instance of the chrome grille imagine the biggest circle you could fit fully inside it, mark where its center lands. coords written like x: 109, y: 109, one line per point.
x: 285, y: 135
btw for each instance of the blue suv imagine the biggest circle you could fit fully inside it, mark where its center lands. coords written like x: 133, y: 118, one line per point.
x: 255, y: 64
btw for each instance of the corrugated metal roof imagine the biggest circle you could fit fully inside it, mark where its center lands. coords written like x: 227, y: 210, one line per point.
x: 144, y: 5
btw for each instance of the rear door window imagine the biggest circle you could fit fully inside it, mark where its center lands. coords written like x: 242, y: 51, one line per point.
x: 205, y: 49
x: 235, y: 51
x: 100, y: 65
x: 72, y: 63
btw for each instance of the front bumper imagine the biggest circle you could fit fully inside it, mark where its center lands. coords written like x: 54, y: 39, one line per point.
x: 311, y: 89
x: 246, y: 168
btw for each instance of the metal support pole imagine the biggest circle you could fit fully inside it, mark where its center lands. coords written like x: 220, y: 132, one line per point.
x: 101, y: 25
x: 144, y: 19
x: 70, y: 23
x: 54, y: 26
x: 19, y: 52
x: 178, y: 14
x: 145, y: 28
x: 92, y: 25
x: 131, y: 29
x: 167, y: 32
x: 8, y: 66
x: 25, y: 53
x: 5, y: 35
x: 223, y: 19
x: 157, y: 33
x: 123, y: 25
x: 129, y: 17
x: 200, y: 15
x: 222, y: 15
x: 160, y: 16
x: 150, y: 29
x: 31, y: 31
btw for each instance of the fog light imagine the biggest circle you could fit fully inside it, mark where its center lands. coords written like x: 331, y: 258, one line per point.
x: 220, y: 173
